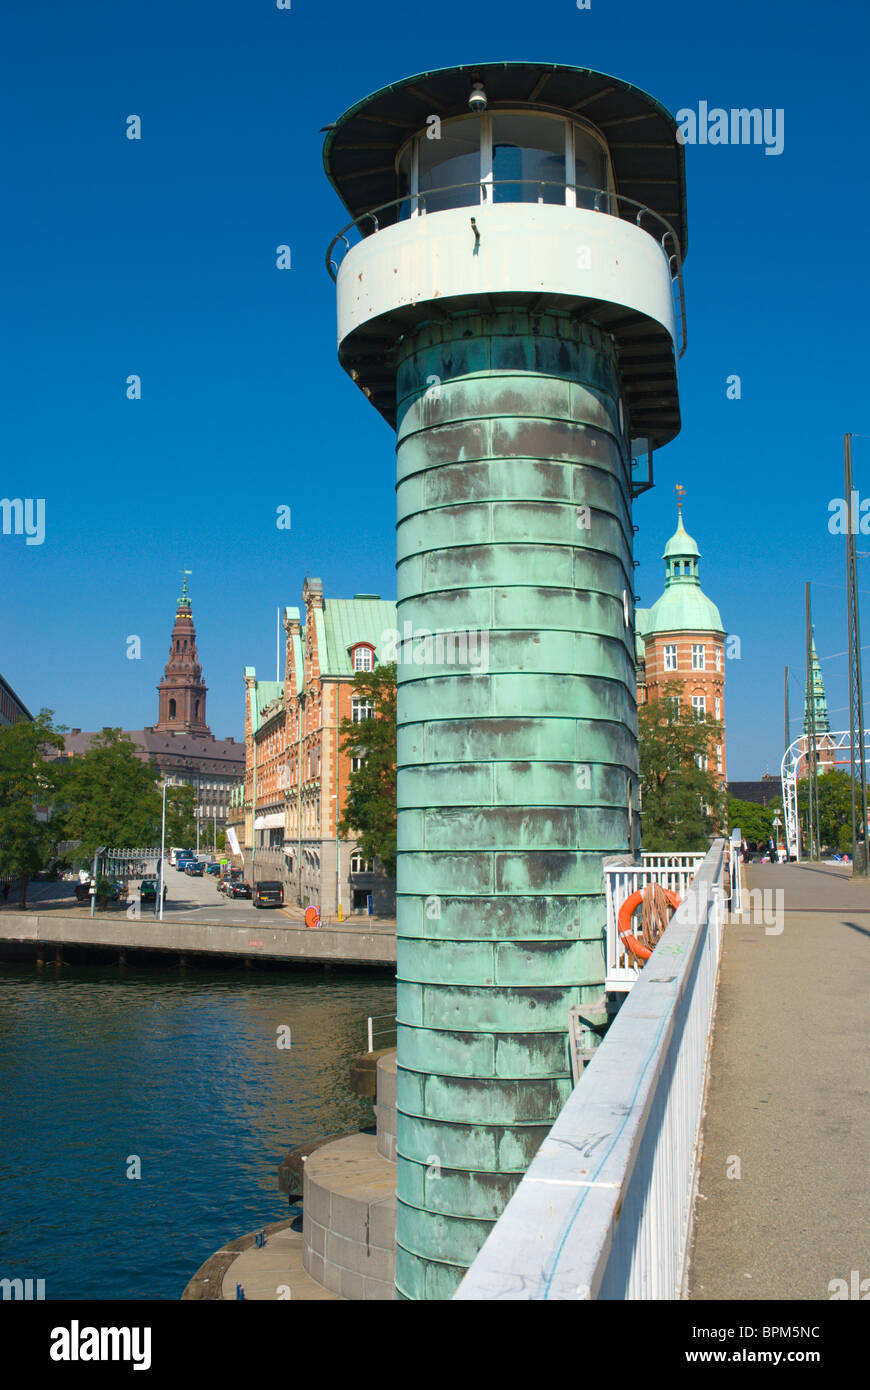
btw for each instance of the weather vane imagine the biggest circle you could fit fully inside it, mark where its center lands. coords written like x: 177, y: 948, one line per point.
x: 681, y: 492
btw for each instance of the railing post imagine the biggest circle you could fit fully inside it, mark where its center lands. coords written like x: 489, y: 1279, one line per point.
x: 371, y: 1041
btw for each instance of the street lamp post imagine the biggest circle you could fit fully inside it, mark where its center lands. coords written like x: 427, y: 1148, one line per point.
x: 101, y: 849
x: 158, y: 909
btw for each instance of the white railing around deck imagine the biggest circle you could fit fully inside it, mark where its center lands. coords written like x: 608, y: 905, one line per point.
x: 689, y: 860
x: 604, y: 1210
x: 674, y: 871
x: 735, y: 855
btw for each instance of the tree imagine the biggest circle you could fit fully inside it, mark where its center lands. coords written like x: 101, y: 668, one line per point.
x: 370, y: 808
x: 755, y: 822
x: 180, y: 816
x: 111, y: 797
x: 681, y: 802
x: 835, y: 810
x: 28, y: 780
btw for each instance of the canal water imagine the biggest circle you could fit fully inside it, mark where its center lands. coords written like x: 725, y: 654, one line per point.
x: 182, y: 1071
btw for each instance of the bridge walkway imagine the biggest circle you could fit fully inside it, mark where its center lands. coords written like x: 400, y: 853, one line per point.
x: 787, y: 1100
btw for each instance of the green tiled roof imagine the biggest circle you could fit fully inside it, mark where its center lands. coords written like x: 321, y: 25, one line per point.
x: 681, y: 544
x: 262, y: 695
x: 641, y: 625
x: 683, y: 607
x: 345, y: 621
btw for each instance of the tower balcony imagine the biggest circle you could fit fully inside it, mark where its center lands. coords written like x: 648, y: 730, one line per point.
x: 538, y: 245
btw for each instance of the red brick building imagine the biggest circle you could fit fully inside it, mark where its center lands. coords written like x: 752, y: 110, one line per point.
x: 181, y: 744
x: 681, y: 639
x: 296, y: 778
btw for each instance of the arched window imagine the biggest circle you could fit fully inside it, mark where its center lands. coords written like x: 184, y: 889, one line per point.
x: 171, y: 709
x: 196, y: 709
x: 363, y: 657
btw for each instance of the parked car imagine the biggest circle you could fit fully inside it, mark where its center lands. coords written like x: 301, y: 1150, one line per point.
x: 108, y: 890
x: 238, y: 889
x: 269, y: 893
x: 214, y: 869
x: 148, y: 890
x: 226, y: 878
x: 195, y: 868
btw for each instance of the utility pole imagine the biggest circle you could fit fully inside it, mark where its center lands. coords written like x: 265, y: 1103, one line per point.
x: 787, y: 743
x: 812, y: 762
x: 857, y: 767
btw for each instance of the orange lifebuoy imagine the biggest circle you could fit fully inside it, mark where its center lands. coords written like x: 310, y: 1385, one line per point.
x: 312, y: 917
x: 623, y: 922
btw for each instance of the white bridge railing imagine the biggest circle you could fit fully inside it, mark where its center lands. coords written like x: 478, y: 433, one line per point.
x: 604, y: 1210
x: 674, y: 871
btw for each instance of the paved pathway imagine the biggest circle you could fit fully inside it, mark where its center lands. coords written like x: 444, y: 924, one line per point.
x: 787, y: 1105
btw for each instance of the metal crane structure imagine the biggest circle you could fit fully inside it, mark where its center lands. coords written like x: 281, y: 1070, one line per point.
x: 797, y: 752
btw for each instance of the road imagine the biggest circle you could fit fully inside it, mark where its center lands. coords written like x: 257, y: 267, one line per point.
x: 188, y: 899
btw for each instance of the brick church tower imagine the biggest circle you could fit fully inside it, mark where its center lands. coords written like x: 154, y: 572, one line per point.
x: 681, y: 640
x: 182, y: 690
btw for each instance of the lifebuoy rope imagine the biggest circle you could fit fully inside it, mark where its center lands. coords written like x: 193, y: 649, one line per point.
x: 654, y: 900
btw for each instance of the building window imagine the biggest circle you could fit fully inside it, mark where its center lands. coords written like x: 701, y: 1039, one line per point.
x: 358, y: 865
x: 505, y: 157
x: 698, y: 656
x: 361, y: 709
x: 674, y: 702
x: 171, y: 709
x: 718, y: 651
x: 699, y: 704
x: 276, y: 839
x: 719, y: 756
x: 356, y: 764
x: 671, y: 658
x: 718, y: 708
x: 701, y: 763
x: 363, y: 659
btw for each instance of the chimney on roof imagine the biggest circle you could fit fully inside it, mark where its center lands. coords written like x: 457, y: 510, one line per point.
x: 312, y: 593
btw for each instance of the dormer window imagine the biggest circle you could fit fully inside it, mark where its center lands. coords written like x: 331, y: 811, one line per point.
x: 362, y: 657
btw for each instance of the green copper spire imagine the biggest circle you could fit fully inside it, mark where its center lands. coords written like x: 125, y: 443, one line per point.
x: 184, y: 601
x: 820, y: 702
x: 683, y: 607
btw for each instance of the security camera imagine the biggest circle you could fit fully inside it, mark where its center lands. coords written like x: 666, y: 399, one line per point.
x: 477, y: 100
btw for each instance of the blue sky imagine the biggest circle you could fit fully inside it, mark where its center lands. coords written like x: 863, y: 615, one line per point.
x: 157, y: 257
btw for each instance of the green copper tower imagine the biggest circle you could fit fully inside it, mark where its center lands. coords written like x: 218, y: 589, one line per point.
x: 820, y: 703
x: 510, y: 300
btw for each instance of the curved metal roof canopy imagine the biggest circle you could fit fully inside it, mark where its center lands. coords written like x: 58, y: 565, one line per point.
x: 649, y: 162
